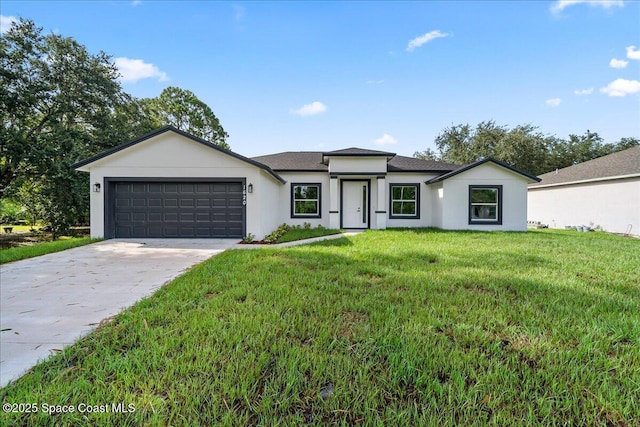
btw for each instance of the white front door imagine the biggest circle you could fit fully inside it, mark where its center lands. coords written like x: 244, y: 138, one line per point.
x: 355, y: 204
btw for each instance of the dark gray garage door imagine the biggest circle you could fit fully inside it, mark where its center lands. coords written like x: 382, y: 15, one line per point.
x: 177, y: 209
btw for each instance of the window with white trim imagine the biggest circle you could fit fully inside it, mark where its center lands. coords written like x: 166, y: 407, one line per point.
x: 305, y: 200
x: 485, y: 204
x: 404, y: 201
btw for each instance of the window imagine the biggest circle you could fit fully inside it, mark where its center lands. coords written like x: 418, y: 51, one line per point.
x: 305, y: 200
x: 485, y: 204
x: 404, y: 201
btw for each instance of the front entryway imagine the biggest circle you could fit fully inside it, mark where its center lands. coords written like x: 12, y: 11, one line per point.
x: 354, y: 204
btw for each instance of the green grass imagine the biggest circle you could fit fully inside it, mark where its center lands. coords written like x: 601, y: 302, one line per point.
x: 306, y: 233
x: 395, y: 327
x: 20, y: 228
x: 24, y: 252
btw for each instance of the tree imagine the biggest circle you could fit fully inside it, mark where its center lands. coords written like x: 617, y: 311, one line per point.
x: 57, y: 107
x: 523, y: 147
x: 427, y: 154
x: 182, y: 109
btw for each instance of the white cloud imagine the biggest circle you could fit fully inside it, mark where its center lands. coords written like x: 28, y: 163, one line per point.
x: 385, y: 139
x: 316, y: 107
x: 632, y: 53
x: 583, y: 92
x: 136, y: 2
x: 618, y: 63
x: 561, y: 5
x: 239, y: 12
x: 553, y: 102
x: 621, y: 87
x: 425, y: 38
x: 132, y: 70
x: 374, y: 82
x: 6, y: 22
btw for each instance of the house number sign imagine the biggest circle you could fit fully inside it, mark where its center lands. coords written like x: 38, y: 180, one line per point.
x: 244, y: 195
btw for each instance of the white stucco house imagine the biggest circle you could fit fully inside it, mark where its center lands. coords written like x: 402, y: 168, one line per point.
x: 169, y: 183
x: 603, y: 192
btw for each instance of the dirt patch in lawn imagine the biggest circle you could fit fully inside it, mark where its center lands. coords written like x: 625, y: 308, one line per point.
x: 29, y: 238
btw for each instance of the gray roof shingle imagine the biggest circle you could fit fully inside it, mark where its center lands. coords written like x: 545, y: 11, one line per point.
x: 294, y: 161
x: 354, y: 151
x: 626, y: 162
x: 312, y: 161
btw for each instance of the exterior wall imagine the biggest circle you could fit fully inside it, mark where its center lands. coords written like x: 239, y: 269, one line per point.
x: 284, y: 195
x: 437, y: 201
x: 366, y: 165
x: 455, y: 198
x: 170, y: 155
x: 426, y: 199
x: 612, y: 205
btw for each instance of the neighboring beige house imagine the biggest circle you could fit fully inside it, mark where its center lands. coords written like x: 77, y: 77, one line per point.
x: 603, y: 192
x: 169, y: 183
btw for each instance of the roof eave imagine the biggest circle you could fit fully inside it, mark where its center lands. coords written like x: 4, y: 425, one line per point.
x: 479, y: 163
x: 586, y: 181
x: 86, y: 162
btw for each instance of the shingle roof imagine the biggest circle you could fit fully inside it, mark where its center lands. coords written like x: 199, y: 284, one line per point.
x: 626, y: 162
x: 354, y: 151
x: 312, y: 161
x: 464, y: 168
x: 406, y: 164
x: 294, y: 161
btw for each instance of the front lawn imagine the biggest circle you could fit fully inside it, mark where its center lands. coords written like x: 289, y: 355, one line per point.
x: 395, y: 327
x: 23, y: 252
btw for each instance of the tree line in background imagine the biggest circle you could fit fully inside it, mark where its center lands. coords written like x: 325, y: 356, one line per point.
x: 60, y: 104
x: 523, y: 147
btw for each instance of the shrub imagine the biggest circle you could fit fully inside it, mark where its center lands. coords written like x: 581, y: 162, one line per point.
x: 275, y: 235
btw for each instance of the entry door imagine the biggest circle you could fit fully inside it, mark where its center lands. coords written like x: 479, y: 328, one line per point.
x: 355, y: 204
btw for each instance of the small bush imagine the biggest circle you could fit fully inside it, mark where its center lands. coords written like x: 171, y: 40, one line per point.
x: 249, y: 238
x: 275, y: 235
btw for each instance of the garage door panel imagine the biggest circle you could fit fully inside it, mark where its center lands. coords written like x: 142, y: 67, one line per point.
x: 138, y: 188
x: 122, y: 203
x: 123, y: 216
x: 154, y: 216
x: 155, y: 187
x: 185, y: 209
x: 203, y: 188
x: 170, y: 217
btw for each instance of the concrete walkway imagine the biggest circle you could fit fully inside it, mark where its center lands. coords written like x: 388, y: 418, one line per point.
x: 48, y: 302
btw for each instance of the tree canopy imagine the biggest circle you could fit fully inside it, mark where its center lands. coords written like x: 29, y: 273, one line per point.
x: 182, y: 109
x: 60, y: 104
x: 524, y: 146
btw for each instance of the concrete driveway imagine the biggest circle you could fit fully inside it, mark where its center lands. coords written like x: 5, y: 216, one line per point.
x: 48, y: 302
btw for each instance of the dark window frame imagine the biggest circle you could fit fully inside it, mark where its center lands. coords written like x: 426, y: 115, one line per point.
x: 499, y: 203
x: 417, y: 200
x: 293, y: 199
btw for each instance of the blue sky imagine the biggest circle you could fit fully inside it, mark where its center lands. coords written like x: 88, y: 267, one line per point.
x: 299, y: 76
